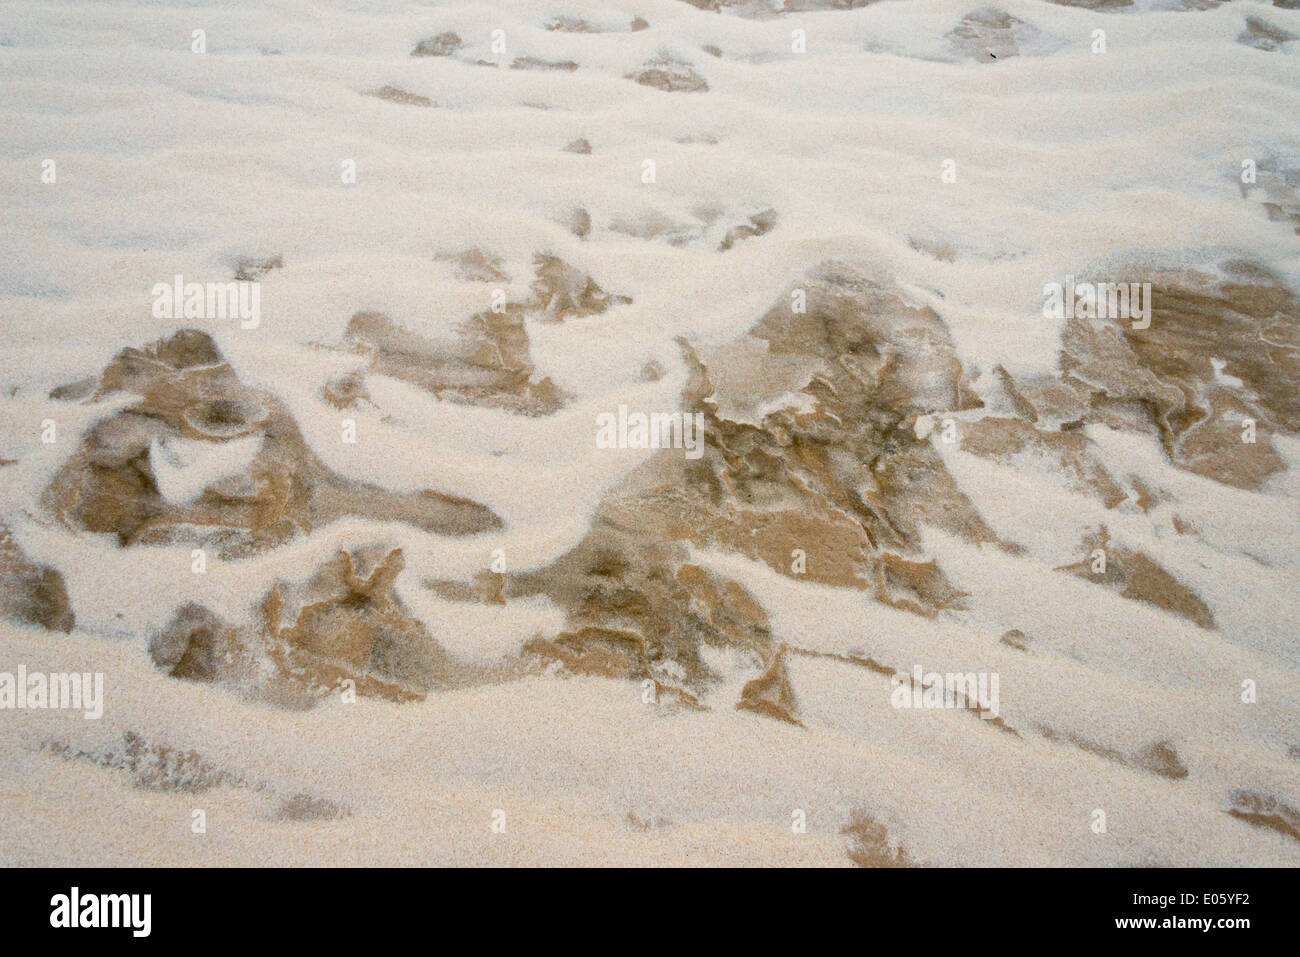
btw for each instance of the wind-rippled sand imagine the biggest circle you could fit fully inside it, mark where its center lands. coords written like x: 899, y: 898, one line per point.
x: 476, y: 636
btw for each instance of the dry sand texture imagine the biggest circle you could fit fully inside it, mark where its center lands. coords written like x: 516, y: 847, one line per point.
x: 384, y: 568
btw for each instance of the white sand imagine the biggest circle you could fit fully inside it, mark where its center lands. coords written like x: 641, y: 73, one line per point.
x: 173, y: 162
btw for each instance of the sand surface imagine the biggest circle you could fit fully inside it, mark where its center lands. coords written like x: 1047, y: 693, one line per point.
x: 365, y: 582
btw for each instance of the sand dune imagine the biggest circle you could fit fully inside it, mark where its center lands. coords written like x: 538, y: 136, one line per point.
x: 655, y: 441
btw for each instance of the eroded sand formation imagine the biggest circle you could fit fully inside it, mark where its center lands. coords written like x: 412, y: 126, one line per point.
x: 489, y: 364
x: 193, y: 404
x: 819, y: 425
x: 697, y: 646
